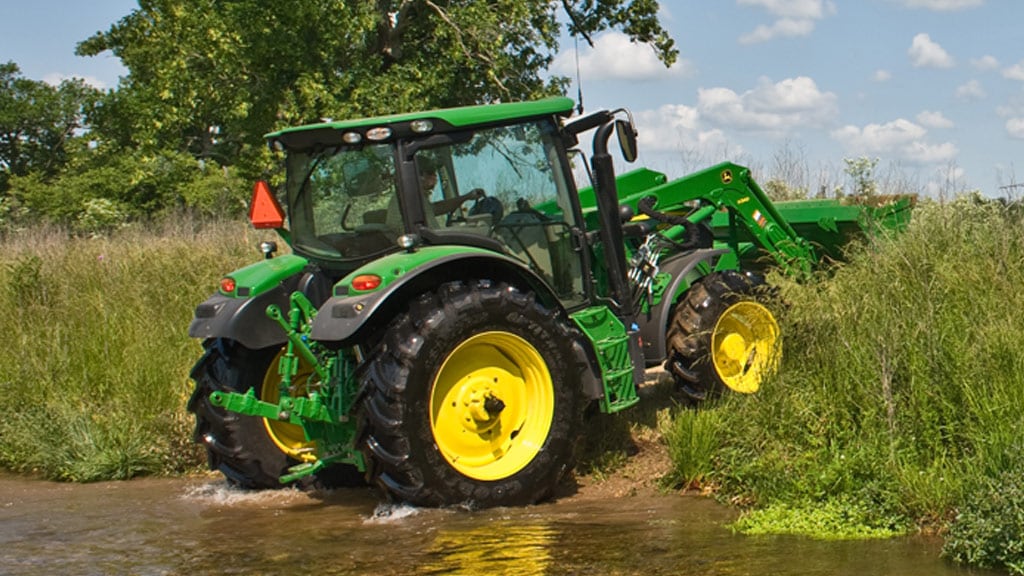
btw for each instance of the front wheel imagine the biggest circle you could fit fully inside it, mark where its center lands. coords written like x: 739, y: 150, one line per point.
x: 473, y: 398
x: 722, y: 337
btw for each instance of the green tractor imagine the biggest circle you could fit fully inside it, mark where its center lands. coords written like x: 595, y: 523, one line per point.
x: 453, y: 300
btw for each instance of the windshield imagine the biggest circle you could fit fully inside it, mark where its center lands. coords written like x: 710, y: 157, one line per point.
x: 342, y: 202
x: 507, y: 183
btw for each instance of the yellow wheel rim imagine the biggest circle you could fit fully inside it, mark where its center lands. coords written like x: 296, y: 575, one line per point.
x: 288, y: 437
x: 491, y: 405
x: 745, y: 346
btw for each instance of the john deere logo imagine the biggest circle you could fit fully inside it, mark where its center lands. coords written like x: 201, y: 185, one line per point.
x: 726, y: 176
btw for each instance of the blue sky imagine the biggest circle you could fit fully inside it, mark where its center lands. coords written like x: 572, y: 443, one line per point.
x: 933, y: 88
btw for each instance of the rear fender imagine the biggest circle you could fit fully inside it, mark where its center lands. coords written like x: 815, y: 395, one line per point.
x: 654, y: 324
x: 241, y: 314
x: 350, y: 315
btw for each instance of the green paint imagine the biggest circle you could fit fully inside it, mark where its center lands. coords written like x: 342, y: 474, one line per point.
x: 611, y: 344
x: 456, y: 117
x: 396, y: 266
x: 264, y: 275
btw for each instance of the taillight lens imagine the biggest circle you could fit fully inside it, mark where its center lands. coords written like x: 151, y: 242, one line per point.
x: 365, y: 282
x: 227, y: 285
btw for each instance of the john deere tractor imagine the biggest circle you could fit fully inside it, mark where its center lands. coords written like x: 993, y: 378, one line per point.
x: 453, y: 300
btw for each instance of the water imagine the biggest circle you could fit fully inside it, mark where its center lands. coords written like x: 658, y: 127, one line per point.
x: 201, y: 526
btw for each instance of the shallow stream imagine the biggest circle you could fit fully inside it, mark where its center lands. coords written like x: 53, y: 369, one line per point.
x: 201, y: 526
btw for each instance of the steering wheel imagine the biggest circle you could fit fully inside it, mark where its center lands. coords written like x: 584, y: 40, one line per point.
x: 448, y: 206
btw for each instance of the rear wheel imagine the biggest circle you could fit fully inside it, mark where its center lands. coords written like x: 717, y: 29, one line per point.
x: 250, y: 451
x: 722, y: 337
x: 473, y: 398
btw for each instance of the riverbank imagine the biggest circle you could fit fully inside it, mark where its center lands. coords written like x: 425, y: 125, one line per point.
x: 895, y: 406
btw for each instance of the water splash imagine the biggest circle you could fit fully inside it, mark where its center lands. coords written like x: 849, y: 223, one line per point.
x: 386, y: 512
x: 225, y: 494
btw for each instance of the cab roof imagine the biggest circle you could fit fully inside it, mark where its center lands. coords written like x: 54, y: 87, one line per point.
x: 442, y: 120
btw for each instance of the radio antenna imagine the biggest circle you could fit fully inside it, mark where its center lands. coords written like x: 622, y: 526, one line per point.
x: 579, y: 78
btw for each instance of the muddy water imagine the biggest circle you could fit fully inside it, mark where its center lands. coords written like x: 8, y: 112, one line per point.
x: 200, y: 526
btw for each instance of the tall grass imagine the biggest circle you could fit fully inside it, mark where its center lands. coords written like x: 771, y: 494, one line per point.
x: 902, y: 382
x: 94, y: 373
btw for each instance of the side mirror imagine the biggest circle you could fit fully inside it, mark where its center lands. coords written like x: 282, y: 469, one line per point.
x: 626, y: 132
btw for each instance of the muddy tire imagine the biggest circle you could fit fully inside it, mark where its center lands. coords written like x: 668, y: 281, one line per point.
x: 251, y: 452
x: 722, y: 337
x: 473, y: 398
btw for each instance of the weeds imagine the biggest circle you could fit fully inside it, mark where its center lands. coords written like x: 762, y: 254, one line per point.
x: 693, y: 438
x: 95, y: 370
x: 902, y: 379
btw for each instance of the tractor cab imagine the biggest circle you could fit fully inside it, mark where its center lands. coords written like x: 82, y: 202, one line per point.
x: 357, y: 191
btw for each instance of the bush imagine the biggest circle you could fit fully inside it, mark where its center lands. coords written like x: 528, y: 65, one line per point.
x: 989, y: 529
x: 100, y: 191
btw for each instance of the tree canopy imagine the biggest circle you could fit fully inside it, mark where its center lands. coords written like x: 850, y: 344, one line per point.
x: 38, y: 122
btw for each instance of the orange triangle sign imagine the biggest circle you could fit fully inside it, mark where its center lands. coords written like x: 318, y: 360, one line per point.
x: 264, y: 210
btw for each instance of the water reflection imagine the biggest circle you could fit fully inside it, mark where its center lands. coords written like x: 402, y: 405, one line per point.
x: 170, y: 527
x: 498, y: 547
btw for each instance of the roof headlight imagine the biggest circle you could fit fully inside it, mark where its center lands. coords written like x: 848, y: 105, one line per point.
x: 421, y: 126
x: 351, y: 138
x: 378, y: 134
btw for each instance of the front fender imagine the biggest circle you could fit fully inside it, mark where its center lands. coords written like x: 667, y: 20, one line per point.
x: 654, y: 324
x: 408, y: 274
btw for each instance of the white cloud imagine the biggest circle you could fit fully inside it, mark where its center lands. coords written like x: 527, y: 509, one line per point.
x: 784, y: 28
x: 925, y: 53
x: 615, y: 57
x: 792, y: 18
x: 677, y: 127
x: 943, y: 5
x: 900, y: 139
x: 971, y: 91
x: 802, y: 9
x: 1015, y: 127
x: 882, y: 75
x: 775, y: 107
x: 55, y: 78
x: 987, y: 62
x: 933, y: 119
x: 1015, y: 72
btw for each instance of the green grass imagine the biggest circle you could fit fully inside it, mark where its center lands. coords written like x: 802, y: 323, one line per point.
x: 901, y: 386
x: 94, y: 373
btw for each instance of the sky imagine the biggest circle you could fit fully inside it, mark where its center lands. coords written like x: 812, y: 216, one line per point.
x: 934, y: 89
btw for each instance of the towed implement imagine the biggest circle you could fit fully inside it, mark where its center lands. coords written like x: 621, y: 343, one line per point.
x: 454, y: 300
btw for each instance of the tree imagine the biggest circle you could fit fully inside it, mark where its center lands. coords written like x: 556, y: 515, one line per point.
x: 861, y: 171
x: 38, y: 123
x: 210, y: 77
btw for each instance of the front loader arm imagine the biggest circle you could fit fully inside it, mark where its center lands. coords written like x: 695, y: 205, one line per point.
x: 730, y: 187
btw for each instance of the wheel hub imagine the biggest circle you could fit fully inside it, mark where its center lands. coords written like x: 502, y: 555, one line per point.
x: 476, y: 404
x: 734, y: 347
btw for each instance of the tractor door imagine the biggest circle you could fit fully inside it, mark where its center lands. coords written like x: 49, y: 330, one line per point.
x: 516, y: 192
